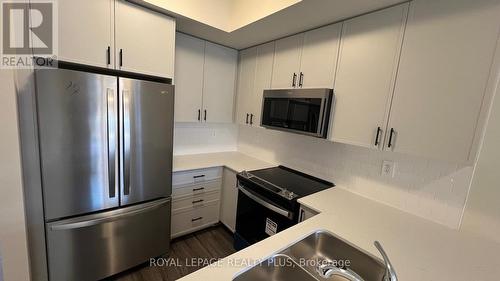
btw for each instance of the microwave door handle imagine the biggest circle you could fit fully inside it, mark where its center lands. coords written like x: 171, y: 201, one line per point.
x: 263, y: 203
x: 321, y: 119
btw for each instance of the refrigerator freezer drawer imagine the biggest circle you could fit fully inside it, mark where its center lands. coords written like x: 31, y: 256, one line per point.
x: 100, y: 245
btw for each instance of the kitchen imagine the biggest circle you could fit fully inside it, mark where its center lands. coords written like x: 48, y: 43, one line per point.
x: 397, y: 144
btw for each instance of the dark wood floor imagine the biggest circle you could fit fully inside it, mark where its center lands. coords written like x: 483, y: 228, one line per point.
x: 212, y: 243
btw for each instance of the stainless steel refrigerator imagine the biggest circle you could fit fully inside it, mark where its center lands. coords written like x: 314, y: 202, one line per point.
x: 106, y: 164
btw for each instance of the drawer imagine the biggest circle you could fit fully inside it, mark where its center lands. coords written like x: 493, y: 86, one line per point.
x: 195, y: 176
x: 199, y: 200
x: 196, y: 189
x: 191, y: 219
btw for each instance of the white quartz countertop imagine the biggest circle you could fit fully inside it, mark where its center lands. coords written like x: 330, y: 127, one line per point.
x: 420, y: 250
x: 233, y: 160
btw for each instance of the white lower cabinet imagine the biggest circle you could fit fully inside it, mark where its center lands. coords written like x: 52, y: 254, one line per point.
x: 229, y: 199
x: 202, y: 198
x: 187, y: 220
x: 195, y: 200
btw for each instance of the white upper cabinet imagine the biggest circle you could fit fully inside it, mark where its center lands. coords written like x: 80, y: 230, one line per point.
x: 286, y: 65
x: 319, y: 57
x: 145, y: 40
x: 189, y: 60
x: 82, y: 40
x: 263, y: 73
x: 219, y: 83
x: 307, y: 60
x: 245, y: 89
x: 205, y: 75
x: 254, y: 76
x: 444, y: 67
x: 364, y: 83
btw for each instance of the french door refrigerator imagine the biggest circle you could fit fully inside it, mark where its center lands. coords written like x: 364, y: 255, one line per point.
x: 106, y: 164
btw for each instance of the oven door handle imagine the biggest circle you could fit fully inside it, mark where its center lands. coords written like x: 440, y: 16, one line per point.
x: 266, y: 204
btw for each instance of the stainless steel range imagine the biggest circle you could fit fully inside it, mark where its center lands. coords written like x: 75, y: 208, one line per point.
x: 267, y: 202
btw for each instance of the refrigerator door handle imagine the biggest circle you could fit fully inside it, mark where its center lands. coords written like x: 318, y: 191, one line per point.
x: 126, y: 142
x: 111, y: 127
x: 101, y: 220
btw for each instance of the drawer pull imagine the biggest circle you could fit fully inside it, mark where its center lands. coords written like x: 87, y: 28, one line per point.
x: 198, y: 189
x: 198, y: 176
x: 198, y: 201
x: 197, y: 219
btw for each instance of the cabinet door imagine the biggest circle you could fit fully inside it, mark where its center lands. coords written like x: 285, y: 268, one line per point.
x: 219, y: 83
x: 86, y: 43
x: 287, y: 61
x: 364, y: 84
x: 189, y: 60
x: 444, y: 68
x: 145, y: 40
x: 246, y: 77
x: 263, y: 73
x: 229, y: 199
x: 319, y: 57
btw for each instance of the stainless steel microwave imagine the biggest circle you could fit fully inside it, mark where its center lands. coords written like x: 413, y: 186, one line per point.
x: 303, y: 111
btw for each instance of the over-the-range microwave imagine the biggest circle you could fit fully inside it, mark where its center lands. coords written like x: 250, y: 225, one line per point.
x: 303, y: 111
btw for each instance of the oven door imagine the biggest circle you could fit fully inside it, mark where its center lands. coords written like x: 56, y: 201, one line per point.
x: 304, y: 111
x: 258, y: 218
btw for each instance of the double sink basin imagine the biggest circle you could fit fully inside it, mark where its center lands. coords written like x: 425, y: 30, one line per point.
x: 318, y: 257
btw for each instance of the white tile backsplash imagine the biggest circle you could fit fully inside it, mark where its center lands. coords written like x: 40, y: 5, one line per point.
x: 427, y: 188
x: 192, y: 138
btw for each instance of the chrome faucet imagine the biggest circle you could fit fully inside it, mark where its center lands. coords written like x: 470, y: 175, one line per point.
x: 327, y: 270
x: 390, y: 274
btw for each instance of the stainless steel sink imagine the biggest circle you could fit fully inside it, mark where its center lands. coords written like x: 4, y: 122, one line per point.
x: 277, y: 268
x: 303, y: 259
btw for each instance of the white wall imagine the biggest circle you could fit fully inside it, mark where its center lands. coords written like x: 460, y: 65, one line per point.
x: 226, y: 15
x: 13, y: 244
x: 427, y: 188
x: 192, y: 138
x: 482, y: 212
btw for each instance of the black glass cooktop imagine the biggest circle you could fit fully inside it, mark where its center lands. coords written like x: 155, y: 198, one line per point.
x: 291, y: 180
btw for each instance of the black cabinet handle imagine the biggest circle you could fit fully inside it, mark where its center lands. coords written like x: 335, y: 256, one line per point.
x: 199, y: 114
x: 251, y: 119
x: 294, y: 79
x: 198, y: 201
x: 301, y: 79
x: 247, y: 119
x: 198, y: 189
x: 205, y: 116
x: 390, y: 138
x: 121, y: 57
x: 198, y: 176
x: 108, y: 55
x: 197, y: 219
x: 379, y: 130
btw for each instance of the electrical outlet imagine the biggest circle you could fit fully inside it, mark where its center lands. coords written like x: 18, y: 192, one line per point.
x: 388, y: 169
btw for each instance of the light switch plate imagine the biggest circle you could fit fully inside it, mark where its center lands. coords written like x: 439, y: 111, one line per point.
x: 388, y: 169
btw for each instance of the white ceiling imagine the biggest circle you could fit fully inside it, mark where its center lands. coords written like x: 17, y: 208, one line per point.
x: 273, y: 23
